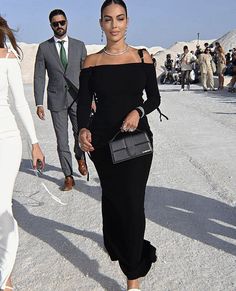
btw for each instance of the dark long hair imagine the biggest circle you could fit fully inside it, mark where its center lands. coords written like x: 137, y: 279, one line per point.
x: 109, y: 2
x: 7, y: 32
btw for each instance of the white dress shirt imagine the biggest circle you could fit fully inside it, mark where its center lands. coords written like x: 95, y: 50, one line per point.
x: 58, y: 45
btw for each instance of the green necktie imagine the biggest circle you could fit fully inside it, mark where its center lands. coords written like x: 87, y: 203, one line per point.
x: 63, y: 57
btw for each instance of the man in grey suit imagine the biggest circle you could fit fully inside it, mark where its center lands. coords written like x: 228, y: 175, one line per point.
x: 62, y: 58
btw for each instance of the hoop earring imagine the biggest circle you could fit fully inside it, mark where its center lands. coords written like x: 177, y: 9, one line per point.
x: 102, y: 36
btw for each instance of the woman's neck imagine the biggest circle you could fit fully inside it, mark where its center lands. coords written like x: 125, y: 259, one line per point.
x: 115, y: 47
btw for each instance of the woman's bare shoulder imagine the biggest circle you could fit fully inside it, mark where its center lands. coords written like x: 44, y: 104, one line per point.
x: 5, y: 53
x: 92, y: 60
x: 12, y: 56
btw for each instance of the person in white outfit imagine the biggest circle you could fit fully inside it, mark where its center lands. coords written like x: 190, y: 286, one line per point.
x: 11, y: 148
x: 206, y: 67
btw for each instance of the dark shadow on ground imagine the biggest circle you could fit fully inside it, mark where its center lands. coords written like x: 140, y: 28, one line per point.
x: 26, y: 167
x: 193, y: 215
x: 222, y: 95
x: 170, y: 90
x: 201, y: 218
x: 224, y: 113
x: 47, y: 231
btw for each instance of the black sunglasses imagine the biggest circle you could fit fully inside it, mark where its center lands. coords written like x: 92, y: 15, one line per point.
x: 56, y: 23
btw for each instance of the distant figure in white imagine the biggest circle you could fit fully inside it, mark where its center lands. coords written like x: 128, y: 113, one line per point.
x: 186, y: 61
x: 207, y: 68
x: 11, y: 148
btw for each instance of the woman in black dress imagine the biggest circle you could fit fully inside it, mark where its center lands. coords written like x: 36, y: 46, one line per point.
x: 115, y: 78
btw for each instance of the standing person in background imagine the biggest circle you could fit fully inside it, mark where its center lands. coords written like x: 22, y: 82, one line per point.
x: 211, y: 47
x: 168, y: 69
x: 221, y: 66
x: 62, y: 57
x: 233, y: 79
x: 198, y: 50
x: 214, y: 51
x: 11, y: 148
x: 206, y: 45
x: 205, y: 62
x: 186, y: 61
x: 117, y: 75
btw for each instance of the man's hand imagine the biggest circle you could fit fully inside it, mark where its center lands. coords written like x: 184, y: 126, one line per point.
x: 40, y: 112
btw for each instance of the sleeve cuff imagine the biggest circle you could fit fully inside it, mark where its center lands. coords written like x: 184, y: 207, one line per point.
x: 141, y: 111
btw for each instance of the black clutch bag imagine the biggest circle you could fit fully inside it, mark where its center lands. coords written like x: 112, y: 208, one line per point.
x: 129, y: 146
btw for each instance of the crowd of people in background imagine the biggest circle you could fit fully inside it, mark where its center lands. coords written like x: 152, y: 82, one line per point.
x: 201, y: 65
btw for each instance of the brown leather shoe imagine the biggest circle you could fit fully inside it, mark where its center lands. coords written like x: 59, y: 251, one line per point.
x: 68, y: 184
x: 82, y: 167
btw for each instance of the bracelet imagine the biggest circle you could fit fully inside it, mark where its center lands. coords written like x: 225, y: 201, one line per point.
x: 140, y: 111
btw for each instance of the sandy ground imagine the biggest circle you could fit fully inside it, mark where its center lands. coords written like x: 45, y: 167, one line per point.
x: 190, y: 206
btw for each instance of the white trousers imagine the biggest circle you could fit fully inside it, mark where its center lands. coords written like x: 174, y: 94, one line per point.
x: 207, y: 80
x: 10, y: 158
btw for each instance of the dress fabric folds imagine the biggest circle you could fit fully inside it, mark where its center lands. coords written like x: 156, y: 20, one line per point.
x: 117, y: 90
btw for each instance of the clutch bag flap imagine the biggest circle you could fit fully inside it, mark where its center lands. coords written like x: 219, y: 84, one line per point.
x: 130, y: 146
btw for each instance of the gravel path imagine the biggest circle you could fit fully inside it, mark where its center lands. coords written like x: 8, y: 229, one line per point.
x: 190, y: 206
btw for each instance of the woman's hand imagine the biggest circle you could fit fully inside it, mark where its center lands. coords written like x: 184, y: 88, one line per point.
x: 37, y: 154
x: 85, y: 139
x: 131, y: 121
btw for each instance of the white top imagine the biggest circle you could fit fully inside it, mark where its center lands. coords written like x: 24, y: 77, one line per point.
x: 58, y: 45
x: 186, y: 61
x: 10, y: 75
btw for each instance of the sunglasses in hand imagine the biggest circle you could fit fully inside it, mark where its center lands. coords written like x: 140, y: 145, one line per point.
x: 40, y: 166
x: 57, y: 23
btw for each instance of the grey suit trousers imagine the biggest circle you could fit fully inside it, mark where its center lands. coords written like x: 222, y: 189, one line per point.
x: 60, y: 123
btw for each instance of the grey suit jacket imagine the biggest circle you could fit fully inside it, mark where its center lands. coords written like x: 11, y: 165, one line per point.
x: 62, y: 84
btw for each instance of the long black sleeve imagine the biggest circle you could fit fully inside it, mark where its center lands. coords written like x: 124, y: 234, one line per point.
x: 153, y: 96
x: 85, y: 96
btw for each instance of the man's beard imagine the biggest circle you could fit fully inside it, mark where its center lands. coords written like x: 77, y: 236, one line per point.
x: 60, y: 32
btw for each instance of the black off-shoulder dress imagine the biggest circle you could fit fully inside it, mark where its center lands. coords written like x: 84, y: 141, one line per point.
x: 118, y: 89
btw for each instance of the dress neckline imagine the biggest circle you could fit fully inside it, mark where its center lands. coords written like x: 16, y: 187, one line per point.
x: 114, y: 65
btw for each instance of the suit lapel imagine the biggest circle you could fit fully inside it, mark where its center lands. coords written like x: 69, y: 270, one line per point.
x: 54, y: 52
x: 70, y: 51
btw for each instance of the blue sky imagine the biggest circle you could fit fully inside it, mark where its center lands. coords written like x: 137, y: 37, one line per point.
x: 152, y: 22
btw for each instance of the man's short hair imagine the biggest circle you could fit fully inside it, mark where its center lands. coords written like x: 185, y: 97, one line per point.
x: 56, y: 12
x: 185, y: 47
